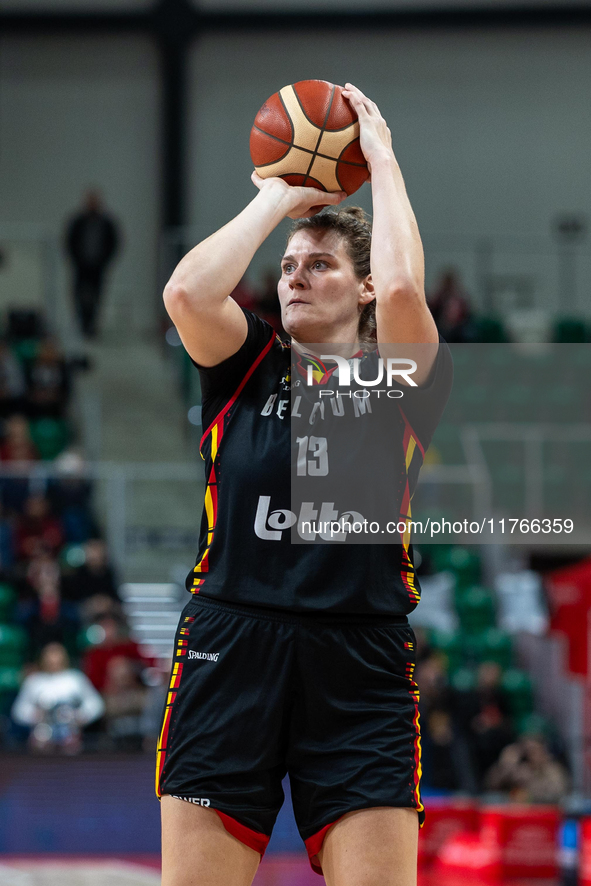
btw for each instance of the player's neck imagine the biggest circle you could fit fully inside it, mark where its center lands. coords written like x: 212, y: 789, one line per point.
x: 316, y: 349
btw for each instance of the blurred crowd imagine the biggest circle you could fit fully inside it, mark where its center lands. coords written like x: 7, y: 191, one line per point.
x: 71, y: 678
x: 472, y: 741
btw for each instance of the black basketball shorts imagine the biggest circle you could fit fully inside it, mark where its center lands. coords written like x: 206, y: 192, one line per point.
x: 256, y: 693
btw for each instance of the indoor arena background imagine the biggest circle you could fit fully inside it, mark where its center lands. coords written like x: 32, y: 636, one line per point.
x: 142, y: 110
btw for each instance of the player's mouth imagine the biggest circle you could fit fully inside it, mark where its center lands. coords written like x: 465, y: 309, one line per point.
x: 297, y: 301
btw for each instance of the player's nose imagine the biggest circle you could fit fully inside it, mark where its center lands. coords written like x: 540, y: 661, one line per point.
x: 298, y: 279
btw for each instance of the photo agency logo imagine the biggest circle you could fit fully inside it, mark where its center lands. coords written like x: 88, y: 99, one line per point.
x: 390, y: 371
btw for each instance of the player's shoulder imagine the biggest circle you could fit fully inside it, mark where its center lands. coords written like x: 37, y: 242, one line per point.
x: 261, y: 333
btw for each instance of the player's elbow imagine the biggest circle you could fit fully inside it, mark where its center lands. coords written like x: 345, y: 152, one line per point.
x: 404, y: 290
x: 176, y: 299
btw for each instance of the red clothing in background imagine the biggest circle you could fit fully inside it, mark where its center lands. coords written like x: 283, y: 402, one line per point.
x: 97, y: 659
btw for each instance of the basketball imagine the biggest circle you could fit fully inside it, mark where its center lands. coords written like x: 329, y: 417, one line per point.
x: 308, y: 134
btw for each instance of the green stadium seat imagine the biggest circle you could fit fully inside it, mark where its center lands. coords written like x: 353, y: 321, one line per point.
x: 533, y: 724
x: 25, y: 349
x: 50, y: 436
x: 490, y: 645
x: 10, y: 680
x: 13, y: 646
x: 7, y: 601
x: 476, y: 609
x: 450, y: 645
x: 570, y: 330
x: 448, y: 444
x: 461, y: 561
x: 518, y: 691
x: 490, y: 329
x: 463, y: 679
x: 439, y: 556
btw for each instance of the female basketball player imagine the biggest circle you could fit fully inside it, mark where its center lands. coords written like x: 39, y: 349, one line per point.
x: 296, y: 658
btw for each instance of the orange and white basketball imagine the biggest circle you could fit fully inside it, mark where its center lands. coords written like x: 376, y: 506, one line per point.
x: 308, y: 134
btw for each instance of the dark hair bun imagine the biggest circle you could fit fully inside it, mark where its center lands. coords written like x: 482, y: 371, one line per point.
x: 355, y: 212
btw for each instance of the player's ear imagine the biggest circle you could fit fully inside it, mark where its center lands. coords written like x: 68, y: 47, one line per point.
x: 367, y: 291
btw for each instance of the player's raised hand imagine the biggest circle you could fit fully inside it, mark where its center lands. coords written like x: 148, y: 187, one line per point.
x: 374, y: 136
x: 299, y: 202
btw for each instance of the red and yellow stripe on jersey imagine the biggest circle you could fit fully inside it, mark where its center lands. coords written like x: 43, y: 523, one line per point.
x: 417, y: 772
x: 175, y: 680
x: 215, y: 432
x: 177, y: 670
x: 410, y: 446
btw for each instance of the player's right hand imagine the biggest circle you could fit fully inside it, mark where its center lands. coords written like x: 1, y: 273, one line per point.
x: 299, y: 202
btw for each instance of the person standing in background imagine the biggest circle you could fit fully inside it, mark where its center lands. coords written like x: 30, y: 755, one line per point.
x: 91, y: 243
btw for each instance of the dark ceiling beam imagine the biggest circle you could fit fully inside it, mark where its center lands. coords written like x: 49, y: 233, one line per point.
x: 397, y: 19
x: 29, y: 23
x: 195, y: 20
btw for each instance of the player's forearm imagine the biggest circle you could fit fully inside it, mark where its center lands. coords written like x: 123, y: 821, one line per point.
x: 397, y: 260
x: 213, y: 268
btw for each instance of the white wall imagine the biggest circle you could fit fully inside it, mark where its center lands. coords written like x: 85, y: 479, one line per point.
x: 492, y: 129
x: 79, y: 112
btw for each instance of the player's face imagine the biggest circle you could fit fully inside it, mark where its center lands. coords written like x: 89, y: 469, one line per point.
x: 318, y: 291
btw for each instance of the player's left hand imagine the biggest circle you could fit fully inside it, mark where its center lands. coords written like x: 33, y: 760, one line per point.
x: 374, y: 136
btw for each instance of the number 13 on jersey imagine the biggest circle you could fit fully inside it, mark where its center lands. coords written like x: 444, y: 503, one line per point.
x: 317, y: 464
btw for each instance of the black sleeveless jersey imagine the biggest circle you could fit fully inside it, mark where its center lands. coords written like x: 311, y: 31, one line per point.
x: 247, y: 553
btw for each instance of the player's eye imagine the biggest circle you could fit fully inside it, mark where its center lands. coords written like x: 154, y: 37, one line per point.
x: 319, y: 265
x: 287, y: 269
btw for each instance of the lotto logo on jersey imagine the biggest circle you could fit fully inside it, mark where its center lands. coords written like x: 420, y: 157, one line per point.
x: 270, y: 524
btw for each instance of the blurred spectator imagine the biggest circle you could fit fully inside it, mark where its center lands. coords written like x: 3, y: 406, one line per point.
x: 432, y: 679
x: 151, y: 722
x: 92, y: 241
x: 527, y: 772
x: 6, y: 544
x: 449, y: 304
x: 245, y: 296
x: 445, y: 758
x: 24, y: 323
x: 45, y: 616
x: 95, y: 577
x: 484, y: 718
x: 12, y: 382
x: 70, y: 496
x: 125, y: 699
x: 48, y: 382
x: 56, y: 703
x: 17, y: 444
x: 94, y: 609
x: 113, y: 643
x: 439, y: 770
x: 37, y: 530
x: 423, y: 648
x: 42, y: 570
x: 268, y: 306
